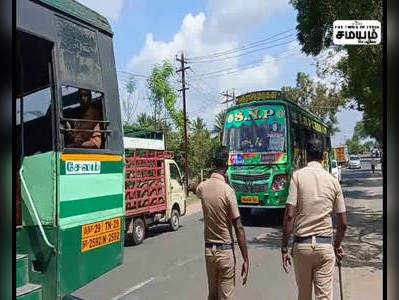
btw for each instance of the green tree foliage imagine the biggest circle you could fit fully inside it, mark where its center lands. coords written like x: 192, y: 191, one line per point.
x: 370, y: 146
x: 218, y: 127
x: 317, y: 98
x: 359, y: 132
x: 128, y: 100
x: 200, y: 148
x: 163, y: 93
x: 360, y: 70
x: 355, y: 147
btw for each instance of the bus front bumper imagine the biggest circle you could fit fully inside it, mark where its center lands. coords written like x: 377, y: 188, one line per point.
x: 261, y: 206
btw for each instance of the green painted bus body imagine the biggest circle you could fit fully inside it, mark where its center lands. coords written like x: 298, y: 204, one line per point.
x: 65, y: 203
x: 251, y: 174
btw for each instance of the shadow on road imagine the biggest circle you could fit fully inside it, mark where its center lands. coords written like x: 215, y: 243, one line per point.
x: 362, y: 244
x: 270, y: 240
x: 363, y: 240
x: 152, y: 232
x: 271, y: 218
x: 359, y: 194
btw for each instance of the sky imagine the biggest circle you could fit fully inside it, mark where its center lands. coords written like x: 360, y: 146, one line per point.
x: 148, y: 32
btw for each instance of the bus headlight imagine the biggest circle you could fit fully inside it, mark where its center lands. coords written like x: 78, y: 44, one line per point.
x: 279, y: 182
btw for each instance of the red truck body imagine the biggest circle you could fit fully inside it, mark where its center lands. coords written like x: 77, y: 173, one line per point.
x: 145, y: 182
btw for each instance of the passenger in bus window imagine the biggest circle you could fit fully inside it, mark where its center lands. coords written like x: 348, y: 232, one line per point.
x: 88, y: 111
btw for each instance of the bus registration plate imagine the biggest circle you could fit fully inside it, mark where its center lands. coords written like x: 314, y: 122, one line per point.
x: 249, y: 199
x: 102, y: 233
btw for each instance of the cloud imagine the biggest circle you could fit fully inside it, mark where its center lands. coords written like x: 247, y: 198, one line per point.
x: 222, y: 26
x: 232, y: 17
x: 110, y: 9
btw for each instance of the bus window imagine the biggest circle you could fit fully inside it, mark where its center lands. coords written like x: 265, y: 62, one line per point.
x: 34, y: 97
x: 33, y: 103
x: 82, y: 112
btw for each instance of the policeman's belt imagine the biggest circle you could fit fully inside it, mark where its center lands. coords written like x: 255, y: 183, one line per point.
x: 308, y: 239
x: 219, y: 246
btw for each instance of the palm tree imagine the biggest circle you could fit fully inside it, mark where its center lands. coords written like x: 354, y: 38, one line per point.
x: 220, y: 119
x: 198, y: 125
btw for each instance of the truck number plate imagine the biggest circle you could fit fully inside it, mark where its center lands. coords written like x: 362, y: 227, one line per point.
x: 249, y: 199
x: 102, y: 233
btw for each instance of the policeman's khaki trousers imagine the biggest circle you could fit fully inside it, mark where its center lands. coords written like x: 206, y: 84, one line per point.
x: 220, y: 268
x: 314, y: 265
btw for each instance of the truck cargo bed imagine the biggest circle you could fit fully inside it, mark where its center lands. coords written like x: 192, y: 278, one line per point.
x: 145, y: 182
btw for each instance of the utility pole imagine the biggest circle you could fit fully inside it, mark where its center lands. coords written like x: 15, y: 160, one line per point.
x: 183, y: 89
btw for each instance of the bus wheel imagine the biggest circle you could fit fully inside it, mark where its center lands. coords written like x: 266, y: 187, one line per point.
x: 174, y: 220
x: 137, y: 230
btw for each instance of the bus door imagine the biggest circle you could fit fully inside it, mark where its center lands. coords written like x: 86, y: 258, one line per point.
x: 36, y: 204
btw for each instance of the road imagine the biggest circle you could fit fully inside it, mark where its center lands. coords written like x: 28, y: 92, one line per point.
x: 170, y: 265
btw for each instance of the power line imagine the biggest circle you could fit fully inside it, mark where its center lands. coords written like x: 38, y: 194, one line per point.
x: 243, y: 47
x: 245, y: 53
x: 247, y: 65
x: 132, y: 74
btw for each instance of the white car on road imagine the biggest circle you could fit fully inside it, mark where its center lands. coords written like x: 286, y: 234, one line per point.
x: 336, y: 170
x: 354, y: 162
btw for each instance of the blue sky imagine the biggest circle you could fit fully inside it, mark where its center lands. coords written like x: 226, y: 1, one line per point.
x: 147, y: 32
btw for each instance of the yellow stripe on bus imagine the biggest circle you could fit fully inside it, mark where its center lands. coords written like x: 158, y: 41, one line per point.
x: 90, y: 157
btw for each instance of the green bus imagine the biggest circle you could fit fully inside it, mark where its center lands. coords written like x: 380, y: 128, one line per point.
x: 69, y: 175
x: 265, y: 135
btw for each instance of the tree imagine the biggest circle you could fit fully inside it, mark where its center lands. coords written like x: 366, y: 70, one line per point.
x: 218, y: 127
x: 200, y: 148
x: 317, y: 98
x: 163, y: 94
x: 359, y: 132
x: 355, y: 147
x: 370, y: 146
x: 359, y: 70
x: 129, y: 101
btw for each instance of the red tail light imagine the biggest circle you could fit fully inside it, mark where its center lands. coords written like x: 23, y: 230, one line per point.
x: 279, y: 182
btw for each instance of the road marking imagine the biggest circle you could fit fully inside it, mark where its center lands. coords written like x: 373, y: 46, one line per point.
x: 134, y: 288
x: 184, y: 262
x: 143, y: 283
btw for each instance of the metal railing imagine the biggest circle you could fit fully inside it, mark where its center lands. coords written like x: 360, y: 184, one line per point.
x: 35, y: 211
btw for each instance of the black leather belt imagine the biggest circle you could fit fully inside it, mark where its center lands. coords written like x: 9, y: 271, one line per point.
x: 308, y: 239
x: 219, y: 246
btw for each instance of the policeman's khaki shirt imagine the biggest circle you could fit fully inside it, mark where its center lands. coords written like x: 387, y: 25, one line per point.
x: 316, y: 194
x: 219, y: 205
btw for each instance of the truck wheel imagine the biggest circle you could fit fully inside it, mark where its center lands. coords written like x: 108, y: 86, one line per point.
x: 137, y: 230
x: 174, y: 220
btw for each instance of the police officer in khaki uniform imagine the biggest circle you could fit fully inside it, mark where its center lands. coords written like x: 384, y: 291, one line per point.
x: 314, y: 194
x: 221, y: 214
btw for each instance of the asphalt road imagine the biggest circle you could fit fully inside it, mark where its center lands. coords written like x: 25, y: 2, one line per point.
x: 170, y: 265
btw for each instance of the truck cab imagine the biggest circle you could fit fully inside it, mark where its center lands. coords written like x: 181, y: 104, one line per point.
x: 175, y: 191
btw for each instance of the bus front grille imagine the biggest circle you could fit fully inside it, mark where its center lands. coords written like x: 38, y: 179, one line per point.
x: 246, y: 177
x: 249, y: 188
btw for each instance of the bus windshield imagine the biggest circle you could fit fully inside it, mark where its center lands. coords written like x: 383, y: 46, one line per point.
x: 256, y: 129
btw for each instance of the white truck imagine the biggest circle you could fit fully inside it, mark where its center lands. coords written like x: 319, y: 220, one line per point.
x: 153, y: 186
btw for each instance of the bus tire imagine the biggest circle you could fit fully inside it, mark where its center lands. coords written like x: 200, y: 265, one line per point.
x: 174, y: 221
x: 137, y: 230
